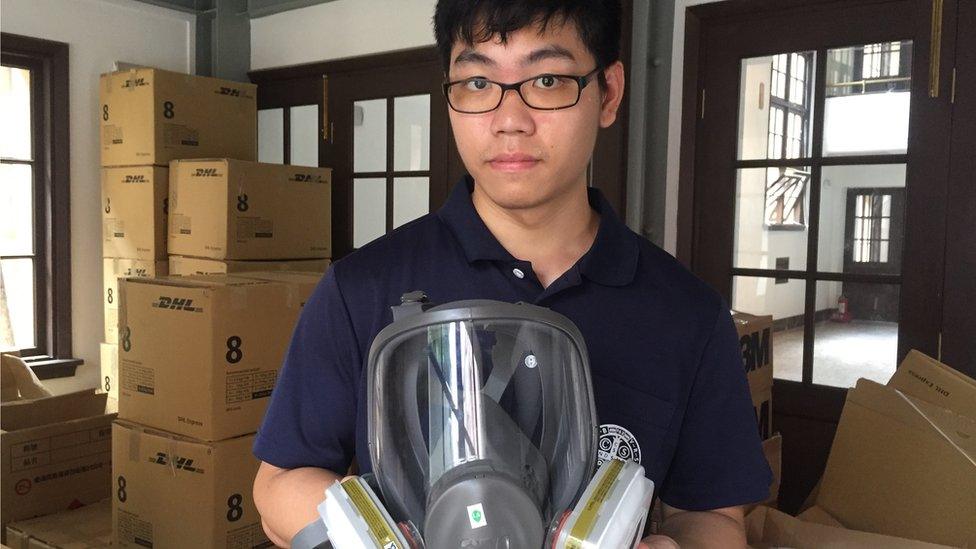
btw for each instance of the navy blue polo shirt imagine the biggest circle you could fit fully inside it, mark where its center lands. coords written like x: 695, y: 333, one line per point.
x: 668, y: 380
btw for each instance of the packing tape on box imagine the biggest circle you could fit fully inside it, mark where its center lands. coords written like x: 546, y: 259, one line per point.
x: 135, y: 443
x: 238, y: 298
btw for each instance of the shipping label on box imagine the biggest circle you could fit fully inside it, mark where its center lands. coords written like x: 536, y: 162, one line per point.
x: 199, y: 355
x: 151, y: 116
x: 756, y: 343
x: 183, y: 266
x: 56, y: 453
x: 135, y: 203
x: 174, y: 491
x: 230, y: 209
x: 112, y: 270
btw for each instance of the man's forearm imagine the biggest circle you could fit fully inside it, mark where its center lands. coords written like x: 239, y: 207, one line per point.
x: 287, y: 499
x: 704, y: 529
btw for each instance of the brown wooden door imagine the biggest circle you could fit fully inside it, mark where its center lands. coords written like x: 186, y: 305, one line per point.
x: 798, y: 106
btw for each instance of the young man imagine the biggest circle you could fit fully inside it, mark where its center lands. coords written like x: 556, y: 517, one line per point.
x: 667, y: 376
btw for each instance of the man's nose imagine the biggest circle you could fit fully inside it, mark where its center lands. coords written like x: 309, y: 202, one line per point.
x: 512, y: 115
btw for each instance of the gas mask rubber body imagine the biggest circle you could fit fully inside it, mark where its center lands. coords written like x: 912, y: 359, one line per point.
x: 483, y: 433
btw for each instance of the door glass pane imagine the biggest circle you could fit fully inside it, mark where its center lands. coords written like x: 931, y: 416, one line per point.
x: 868, y: 92
x: 862, y: 219
x: 369, y: 136
x: 856, y: 332
x: 17, y: 205
x: 15, y: 111
x: 304, y: 135
x: 771, y: 208
x: 271, y: 136
x: 775, y: 106
x: 17, y: 311
x: 369, y: 210
x: 784, y: 300
x: 411, y: 133
x: 411, y: 199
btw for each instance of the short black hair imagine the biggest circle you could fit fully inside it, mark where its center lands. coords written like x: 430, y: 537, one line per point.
x: 471, y: 21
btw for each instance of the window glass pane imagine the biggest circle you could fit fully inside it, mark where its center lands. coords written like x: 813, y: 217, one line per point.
x: 369, y: 210
x: 853, y: 200
x: 774, y: 91
x: 866, y: 110
x: 369, y: 136
x: 856, y: 333
x: 271, y: 136
x: 411, y: 199
x: 411, y: 133
x: 304, y: 135
x: 771, y: 206
x: 17, y: 205
x: 785, y: 302
x: 17, y: 303
x: 15, y: 112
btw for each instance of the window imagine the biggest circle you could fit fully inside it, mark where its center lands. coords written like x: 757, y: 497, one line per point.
x: 35, y: 293
x: 785, y: 198
x: 789, y: 105
x: 872, y: 228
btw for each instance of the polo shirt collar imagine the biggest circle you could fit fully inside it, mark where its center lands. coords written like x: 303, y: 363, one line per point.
x: 611, y: 261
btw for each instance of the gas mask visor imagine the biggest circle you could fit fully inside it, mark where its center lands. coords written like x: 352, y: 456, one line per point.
x: 481, y: 420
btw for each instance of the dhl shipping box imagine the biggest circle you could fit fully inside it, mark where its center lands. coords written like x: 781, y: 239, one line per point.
x: 902, y: 466
x: 88, y: 527
x: 199, y: 355
x: 756, y: 343
x: 112, y: 270
x: 229, y: 209
x: 56, y: 453
x: 134, y: 207
x: 152, y: 116
x: 109, y: 369
x: 175, y: 491
x: 183, y: 265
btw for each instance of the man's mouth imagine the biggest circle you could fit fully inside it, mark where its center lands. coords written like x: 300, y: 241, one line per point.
x: 513, y: 162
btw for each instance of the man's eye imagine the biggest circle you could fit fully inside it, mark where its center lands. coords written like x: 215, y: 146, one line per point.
x: 476, y: 84
x: 546, y: 82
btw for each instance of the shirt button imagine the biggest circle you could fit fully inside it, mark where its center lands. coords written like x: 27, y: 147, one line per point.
x: 518, y: 273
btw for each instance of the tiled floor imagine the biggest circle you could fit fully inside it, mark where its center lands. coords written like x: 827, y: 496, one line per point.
x: 843, y: 352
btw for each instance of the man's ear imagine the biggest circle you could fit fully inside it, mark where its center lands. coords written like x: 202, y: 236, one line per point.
x: 611, y: 97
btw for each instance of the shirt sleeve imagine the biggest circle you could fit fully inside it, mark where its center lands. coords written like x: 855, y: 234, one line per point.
x: 311, y: 418
x: 719, y: 460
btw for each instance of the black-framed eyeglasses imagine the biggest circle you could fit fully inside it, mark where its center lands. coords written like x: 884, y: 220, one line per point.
x: 545, y: 92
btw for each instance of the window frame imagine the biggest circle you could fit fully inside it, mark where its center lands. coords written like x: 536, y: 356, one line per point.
x: 48, y: 62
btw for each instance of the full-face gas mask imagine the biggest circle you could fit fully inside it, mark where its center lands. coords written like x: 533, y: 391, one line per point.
x: 482, y: 433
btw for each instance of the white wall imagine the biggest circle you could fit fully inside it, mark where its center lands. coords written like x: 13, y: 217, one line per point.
x: 98, y: 33
x: 339, y: 29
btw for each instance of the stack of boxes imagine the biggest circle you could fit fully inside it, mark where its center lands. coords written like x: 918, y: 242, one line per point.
x: 197, y: 355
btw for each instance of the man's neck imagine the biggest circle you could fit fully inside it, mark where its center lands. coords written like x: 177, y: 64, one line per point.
x: 553, y: 237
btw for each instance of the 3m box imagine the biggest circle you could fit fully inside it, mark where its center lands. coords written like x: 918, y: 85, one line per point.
x: 112, y: 270
x: 183, y: 266
x: 109, y: 368
x: 229, y: 209
x: 756, y: 342
x: 151, y: 116
x: 88, y: 527
x: 173, y: 491
x: 134, y: 206
x: 199, y: 355
x: 56, y: 453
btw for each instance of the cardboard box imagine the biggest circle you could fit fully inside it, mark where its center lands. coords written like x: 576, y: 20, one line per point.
x: 151, y: 116
x: 902, y: 466
x: 767, y: 527
x: 88, y: 527
x: 56, y: 453
x: 927, y: 379
x: 134, y: 209
x: 199, y: 355
x: 109, y: 369
x: 173, y: 491
x: 756, y: 342
x: 112, y: 270
x: 183, y: 265
x: 229, y: 209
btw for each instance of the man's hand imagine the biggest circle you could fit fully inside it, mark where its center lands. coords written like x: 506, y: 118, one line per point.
x: 658, y: 542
